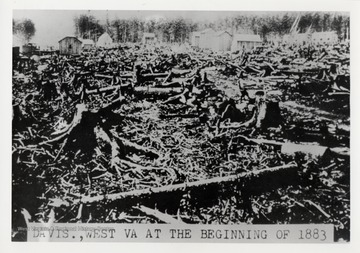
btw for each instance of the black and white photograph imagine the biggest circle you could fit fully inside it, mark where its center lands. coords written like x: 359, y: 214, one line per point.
x: 228, y: 122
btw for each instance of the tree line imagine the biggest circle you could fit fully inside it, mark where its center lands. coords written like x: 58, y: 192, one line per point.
x: 25, y: 29
x: 132, y: 30
x: 179, y: 29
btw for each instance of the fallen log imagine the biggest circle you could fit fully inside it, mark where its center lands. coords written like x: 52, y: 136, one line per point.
x: 320, y: 114
x: 142, y: 90
x: 177, y: 115
x: 152, y: 192
x: 125, y: 76
x: 295, y: 72
x: 156, y: 75
x: 339, y: 93
x: 159, y: 215
x: 172, y: 84
x: 229, y: 64
x: 156, y: 90
x: 102, y: 90
x: 291, y: 148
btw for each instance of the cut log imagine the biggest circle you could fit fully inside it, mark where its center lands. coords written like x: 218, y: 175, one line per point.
x: 229, y: 64
x: 298, y: 72
x: 291, y: 148
x: 150, y: 89
x: 155, y: 75
x: 152, y: 192
x: 155, y: 90
x: 102, y: 90
x: 339, y: 93
x: 124, y: 76
x: 169, y: 85
x: 320, y: 114
x: 141, y: 90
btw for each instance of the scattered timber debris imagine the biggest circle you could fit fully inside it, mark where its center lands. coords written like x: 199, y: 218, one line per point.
x: 141, y: 135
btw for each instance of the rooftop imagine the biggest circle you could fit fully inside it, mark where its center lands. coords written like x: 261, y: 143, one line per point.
x: 247, y: 37
x: 70, y: 37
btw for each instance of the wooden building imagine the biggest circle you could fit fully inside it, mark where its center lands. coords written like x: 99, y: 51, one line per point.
x: 274, y: 38
x: 30, y: 49
x: 224, y: 40
x: 297, y: 39
x: 221, y: 41
x: 324, y: 37
x: 247, y: 41
x: 308, y: 37
x: 195, y: 39
x: 205, y: 40
x: 148, y: 38
x: 70, y: 45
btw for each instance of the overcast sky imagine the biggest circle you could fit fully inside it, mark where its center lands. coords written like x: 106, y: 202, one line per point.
x: 53, y: 25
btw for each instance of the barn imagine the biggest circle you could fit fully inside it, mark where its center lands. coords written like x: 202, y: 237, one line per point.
x: 221, y: 41
x: 70, y: 45
x: 105, y: 41
x: 148, y: 38
x: 247, y: 41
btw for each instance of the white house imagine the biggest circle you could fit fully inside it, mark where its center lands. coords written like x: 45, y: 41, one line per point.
x: 206, y: 38
x: 316, y: 37
x: 298, y: 38
x: 324, y: 37
x: 105, y: 41
x: 87, y: 43
x: 247, y: 41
